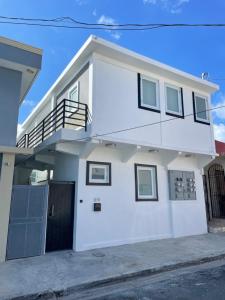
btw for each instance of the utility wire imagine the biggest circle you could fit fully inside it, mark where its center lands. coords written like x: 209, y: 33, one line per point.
x: 144, y: 125
x: 67, y: 18
x: 79, y: 27
x: 128, y: 129
x: 60, y: 22
x: 151, y: 124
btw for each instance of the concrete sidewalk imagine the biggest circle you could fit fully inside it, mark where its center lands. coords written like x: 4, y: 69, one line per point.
x: 63, y: 272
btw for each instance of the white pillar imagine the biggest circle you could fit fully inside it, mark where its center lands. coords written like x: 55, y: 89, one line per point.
x: 6, y: 179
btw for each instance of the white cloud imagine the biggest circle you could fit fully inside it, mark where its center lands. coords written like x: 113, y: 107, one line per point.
x: 219, y: 132
x: 106, y: 20
x: 52, y: 51
x: 176, y: 10
x: 116, y: 35
x: 180, y: 2
x: 173, y: 6
x: 110, y: 21
x: 177, y: 7
x: 19, y: 129
x: 30, y: 103
x: 94, y: 13
x: 220, y: 111
x: 150, y: 1
x: 81, y: 2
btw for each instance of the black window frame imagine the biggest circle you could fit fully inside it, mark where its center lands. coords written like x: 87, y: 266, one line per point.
x: 195, y: 113
x: 140, y: 105
x: 137, y: 199
x: 88, y: 163
x: 181, y: 116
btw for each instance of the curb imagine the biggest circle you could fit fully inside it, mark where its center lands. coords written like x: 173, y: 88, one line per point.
x: 50, y: 294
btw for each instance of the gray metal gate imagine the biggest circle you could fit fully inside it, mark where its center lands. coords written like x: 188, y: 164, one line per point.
x: 28, y: 219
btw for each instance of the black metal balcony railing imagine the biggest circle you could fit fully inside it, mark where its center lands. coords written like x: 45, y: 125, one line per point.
x: 67, y: 114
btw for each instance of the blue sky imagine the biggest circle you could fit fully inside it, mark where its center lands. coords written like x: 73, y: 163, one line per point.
x: 193, y: 50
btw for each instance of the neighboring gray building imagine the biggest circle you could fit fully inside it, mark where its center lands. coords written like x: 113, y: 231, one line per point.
x: 19, y: 66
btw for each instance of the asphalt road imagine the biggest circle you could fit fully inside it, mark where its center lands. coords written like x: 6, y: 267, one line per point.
x: 206, y: 281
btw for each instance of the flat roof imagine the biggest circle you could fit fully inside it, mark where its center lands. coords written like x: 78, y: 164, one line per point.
x: 23, y: 58
x: 95, y: 44
x: 20, y: 45
x: 118, y: 51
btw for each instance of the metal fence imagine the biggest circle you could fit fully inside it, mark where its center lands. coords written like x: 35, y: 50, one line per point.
x: 67, y: 114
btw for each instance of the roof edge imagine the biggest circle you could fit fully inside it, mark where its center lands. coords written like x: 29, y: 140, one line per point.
x: 20, y: 45
x: 179, y: 72
x: 100, y: 41
x: 51, y: 89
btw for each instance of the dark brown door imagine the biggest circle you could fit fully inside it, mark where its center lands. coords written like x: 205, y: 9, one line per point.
x: 217, y: 190
x: 60, y: 216
x: 206, y: 197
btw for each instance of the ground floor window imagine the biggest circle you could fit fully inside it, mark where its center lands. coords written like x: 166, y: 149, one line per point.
x: 98, y: 173
x: 146, y: 183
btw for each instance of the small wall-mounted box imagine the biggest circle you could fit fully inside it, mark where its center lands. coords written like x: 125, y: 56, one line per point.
x: 182, y: 185
x: 97, y: 206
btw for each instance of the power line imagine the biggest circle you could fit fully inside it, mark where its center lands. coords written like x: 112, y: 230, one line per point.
x: 78, y: 27
x: 67, y: 18
x: 144, y: 125
x: 155, y: 123
x: 131, y: 128
x: 59, y: 22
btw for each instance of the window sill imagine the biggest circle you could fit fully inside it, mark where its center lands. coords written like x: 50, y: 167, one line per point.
x: 96, y: 183
x: 175, y: 115
x: 202, y: 122
x: 149, y: 108
x: 150, y: 199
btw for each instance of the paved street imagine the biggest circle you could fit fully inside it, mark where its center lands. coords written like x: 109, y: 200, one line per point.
x: 205, y: 281
x: 57, y: 272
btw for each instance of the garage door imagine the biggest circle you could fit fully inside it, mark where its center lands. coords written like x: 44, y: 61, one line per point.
x: 27, y: 225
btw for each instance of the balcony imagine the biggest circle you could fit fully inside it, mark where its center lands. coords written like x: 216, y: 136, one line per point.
x: 67, y: 114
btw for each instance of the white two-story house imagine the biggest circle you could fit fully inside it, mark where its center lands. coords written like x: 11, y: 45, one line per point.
x: 125, y: 139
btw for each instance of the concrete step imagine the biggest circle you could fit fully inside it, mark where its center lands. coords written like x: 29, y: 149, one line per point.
x: 213, y: 229
x: 216, y: 225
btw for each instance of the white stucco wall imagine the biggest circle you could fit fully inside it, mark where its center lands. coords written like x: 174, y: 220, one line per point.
x: 122, y: 219
x: 55, y: 98
x: 65, y: 168
x: 83, y: 81
x: 115, y: 107
x: 189, y: 217
x: 37, y: 118
x: 6, y: 179
x: 110, y: 89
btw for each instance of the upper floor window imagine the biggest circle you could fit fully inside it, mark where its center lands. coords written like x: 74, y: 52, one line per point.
x: 148, y: 93
x: 174, y: 101
x: 201, y: 109
x: 73, y: 95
